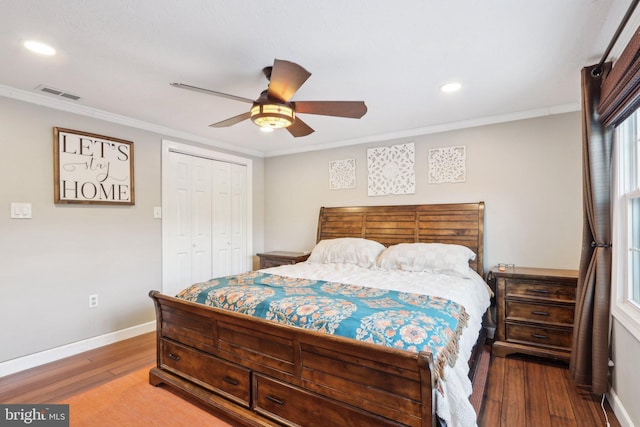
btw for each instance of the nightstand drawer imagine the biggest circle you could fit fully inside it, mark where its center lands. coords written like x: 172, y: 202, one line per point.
x: 541, y: 313
x: 277, y: 258
x: 540, y: 290
x: 539, y: 335
x: 273, y: 262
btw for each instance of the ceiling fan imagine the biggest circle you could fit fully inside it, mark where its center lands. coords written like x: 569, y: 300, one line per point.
x: 274, y: 109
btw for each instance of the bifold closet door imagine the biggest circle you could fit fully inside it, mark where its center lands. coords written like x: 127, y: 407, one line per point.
x: 229, y: 218
x: 187, y: 222
x: 204, y: 220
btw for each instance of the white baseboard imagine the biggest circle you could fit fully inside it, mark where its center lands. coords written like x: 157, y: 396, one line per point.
x: 32, y: 360
x: 618, y: 409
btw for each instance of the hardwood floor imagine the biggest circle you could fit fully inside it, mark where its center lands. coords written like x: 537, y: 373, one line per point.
x: 58, y: 380
x: 520, y: 391
x: 531, y: 392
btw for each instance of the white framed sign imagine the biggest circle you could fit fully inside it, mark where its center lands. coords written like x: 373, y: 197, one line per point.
x: 91, y: 168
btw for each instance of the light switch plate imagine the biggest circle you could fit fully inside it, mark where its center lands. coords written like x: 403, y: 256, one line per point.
x: 20, y: 210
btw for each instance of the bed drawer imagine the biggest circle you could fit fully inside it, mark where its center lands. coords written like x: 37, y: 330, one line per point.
x: 540, y: 313
x: 282, y: 403
x: 227, y: 379
x: 554, y: 337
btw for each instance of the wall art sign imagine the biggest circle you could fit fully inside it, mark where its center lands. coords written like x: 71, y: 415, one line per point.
x: 391, y: 170
x: 91, y: 168
x: 447, y: 164
x: 342, y: 174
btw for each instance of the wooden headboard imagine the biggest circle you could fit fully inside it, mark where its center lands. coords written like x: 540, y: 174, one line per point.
x: 459, y: 223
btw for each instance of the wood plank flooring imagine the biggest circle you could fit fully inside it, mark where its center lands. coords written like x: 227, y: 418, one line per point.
x: 58, y: 380
x: 532, y: 392
x: 520, y: 391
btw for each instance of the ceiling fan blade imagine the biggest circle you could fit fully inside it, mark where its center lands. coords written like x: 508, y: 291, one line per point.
x: 212, y: 92
x: 286, y: 79
x: 299, y: 128
x: 232, y: 121
x: 349, y: 109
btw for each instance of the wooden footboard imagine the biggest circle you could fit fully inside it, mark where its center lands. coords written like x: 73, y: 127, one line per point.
x: 260, y: 373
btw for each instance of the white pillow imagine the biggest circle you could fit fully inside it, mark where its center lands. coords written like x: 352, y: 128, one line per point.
x: 346, y: 250
x: 430, y: 257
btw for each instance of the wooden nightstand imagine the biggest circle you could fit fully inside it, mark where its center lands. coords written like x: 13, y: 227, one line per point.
x: 534, y: 310
x: 276, y: 258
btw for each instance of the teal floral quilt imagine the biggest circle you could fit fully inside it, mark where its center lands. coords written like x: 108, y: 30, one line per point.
x: 400, y: 320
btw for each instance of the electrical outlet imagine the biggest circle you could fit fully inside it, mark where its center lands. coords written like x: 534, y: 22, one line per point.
x: 93, y: 300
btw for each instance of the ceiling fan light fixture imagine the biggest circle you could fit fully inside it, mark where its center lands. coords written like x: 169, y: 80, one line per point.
x: 274, y: 116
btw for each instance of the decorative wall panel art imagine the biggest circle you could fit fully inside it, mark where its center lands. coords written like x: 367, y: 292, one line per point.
x: 342, y: 174
x: 447, y: 164
x: 391, y: 170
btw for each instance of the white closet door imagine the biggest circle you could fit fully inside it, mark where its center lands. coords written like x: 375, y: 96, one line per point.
x: 201, y: 216
x: 205, y: 220
x: 238, y: 219
x: 221, y: 253
x: 187, y: 222
x: 229, y: 219
x: 177, y: 223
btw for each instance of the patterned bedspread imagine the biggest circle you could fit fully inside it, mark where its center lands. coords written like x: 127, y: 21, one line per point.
x: 401, y: 320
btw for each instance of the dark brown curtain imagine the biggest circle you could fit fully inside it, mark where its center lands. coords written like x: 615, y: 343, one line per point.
x: 608, y: 98
x: 590, y: 352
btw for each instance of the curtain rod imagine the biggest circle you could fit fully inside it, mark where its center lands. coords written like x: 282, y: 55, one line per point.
x: 597, y: 71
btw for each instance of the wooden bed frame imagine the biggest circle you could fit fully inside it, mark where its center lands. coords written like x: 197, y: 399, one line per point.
x: 254, y: 372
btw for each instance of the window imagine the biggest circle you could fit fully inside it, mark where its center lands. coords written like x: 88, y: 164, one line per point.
x: 626, y: 304
x: 634, y: 248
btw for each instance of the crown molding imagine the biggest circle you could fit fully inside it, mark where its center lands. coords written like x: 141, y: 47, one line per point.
x: 409, y: 133
x: 71, y: 107
x: 83, y: 110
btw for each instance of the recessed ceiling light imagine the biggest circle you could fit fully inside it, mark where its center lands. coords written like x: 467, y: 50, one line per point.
x: 40, y: 48
x: 451, y: 87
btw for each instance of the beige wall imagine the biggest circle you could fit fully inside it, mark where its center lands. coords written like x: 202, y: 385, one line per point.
x: 527, y: 172
x: 625, y: 376
x: 49, y: 265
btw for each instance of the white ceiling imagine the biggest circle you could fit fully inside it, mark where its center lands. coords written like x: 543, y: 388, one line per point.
x: 515, y: 59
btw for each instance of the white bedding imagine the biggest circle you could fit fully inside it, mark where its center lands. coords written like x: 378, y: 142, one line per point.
x: 473, y: 293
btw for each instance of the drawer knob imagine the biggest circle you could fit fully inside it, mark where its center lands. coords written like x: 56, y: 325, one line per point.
x: 173, y: 357
x: 274, y: 400
x: 542, y: 337
x: 230, y: 380
x: 538, y: 291
x: 540, y: 313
